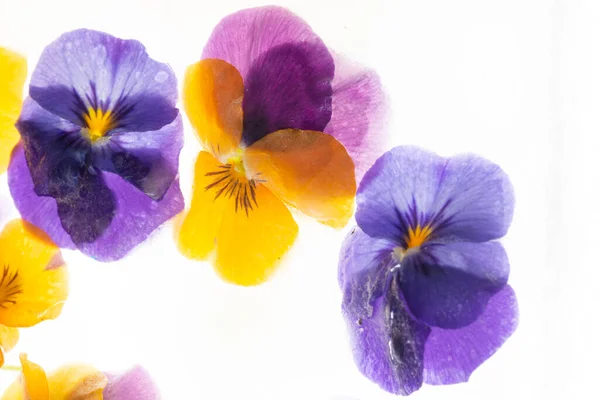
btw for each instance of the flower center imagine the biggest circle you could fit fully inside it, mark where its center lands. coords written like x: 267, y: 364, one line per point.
x: 230, y: 181
x: 414, y: 239
x: 98, y: 122
x: 10, y: 287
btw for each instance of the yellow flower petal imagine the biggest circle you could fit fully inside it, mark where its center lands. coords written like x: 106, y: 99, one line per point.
x: 34, y: 380
x: 33, y: 278
x: 8, y: 337
x: 247, y: 225
x: 249, y: 245
x: 81, y: 382
x: 13, y: 72
x: 310, y: 170
x: 197, y: 231
x: 212, y: 96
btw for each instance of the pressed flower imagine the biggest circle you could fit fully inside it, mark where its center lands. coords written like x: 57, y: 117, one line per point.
x: 13, y: 72
x: 425, y: 292
x: 97, y: 167
x: 80, y: 381
x: 33, y: 281
x: 280, y: 127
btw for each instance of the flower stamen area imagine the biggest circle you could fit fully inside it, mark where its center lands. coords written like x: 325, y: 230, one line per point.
x: 230, y: 181
x: 414, y: 239
x: 99, y: 122
x: 10, y: 286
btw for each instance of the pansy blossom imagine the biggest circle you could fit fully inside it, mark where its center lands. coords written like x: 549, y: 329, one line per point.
x: 281, y: 129
x: 424, y: 282
x: 97, y: 167
x: 80, y: 381
x: 33, y: 281
x: 13, y: 72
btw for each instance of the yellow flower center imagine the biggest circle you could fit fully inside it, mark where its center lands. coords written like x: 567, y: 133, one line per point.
x: 99, y: 122
x: 415, y: 238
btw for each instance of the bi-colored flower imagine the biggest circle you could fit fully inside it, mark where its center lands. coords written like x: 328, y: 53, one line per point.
x: 97, y: 167
x: 33, y: 281
x: 80, y: 382
x: 424, y: 282
x: 281, y: 119
x: 13, y: 72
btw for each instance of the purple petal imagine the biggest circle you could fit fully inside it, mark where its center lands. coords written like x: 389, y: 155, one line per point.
x: 449, y: 285
x: 148, y: 160
x: 86, y: 69
x: 135, y: 384
x: 241, y: 38
x: 359, y: 113
x: 137, y: 216
x: 289, y: 86
x: 452, y: 355
x: 463, y: 198
x: 388, y: 343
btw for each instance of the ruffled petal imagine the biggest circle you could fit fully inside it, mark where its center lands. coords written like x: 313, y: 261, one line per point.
x: 309, y: 170
x: 463, y: 198
x: 13, y: 70
x: 197, y: 230
x: 86, y: 69
x: 34, y: 283
x: 77, y: 382
x: 449, y: 286
x: 451, y: 355
x: 241, y: 38
x: 288, y: 86
x: 388, y: 344
x: 136, y: 215
x: 212, y: 95
x: 250, y: 244
x: 358, y: 113
x: 135, y: 384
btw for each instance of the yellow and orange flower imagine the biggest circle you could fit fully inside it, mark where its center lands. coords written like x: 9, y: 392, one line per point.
x: 13, y: 72
x: 76, y: 381
x: 33, y: 281
x: 241, y: 191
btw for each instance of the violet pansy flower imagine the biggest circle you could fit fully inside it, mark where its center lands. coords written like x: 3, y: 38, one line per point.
x: 97, y: 167
x: 425, y: 292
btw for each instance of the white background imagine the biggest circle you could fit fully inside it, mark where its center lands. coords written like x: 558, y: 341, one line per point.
x: 516, y: 81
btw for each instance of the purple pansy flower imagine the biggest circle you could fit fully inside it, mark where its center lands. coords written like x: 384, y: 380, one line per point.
x: 97, y: 167
x: 425, y: 292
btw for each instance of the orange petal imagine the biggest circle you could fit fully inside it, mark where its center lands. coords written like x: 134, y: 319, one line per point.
x: 249, y: 245
x: 212, y: 96
x: 13, y: 72
x: 33, y: 278
x: 310, y: 170
x: 35, y: 381
x: 197, y: 232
